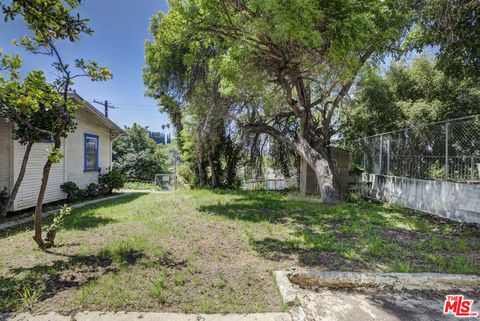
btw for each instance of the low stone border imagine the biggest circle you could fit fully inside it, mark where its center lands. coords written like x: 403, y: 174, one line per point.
x: 288, y: 293
x: 288, y: 282
x: 289, y: 296
x: 24, y: 220
x: 395, y: 281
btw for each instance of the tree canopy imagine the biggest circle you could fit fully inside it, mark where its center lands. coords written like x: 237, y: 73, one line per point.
x: 452, y: 27
x: 288, y: 67
x: 137, y: 155
x: 409, y: 94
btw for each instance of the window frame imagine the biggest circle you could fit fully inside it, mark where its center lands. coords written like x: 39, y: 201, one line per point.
x: 85, y: 137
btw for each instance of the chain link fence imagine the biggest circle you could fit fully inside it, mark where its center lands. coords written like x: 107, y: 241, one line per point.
x: 448, y: 150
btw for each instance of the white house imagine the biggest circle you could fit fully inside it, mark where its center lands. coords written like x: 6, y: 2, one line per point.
x: 88, y: 151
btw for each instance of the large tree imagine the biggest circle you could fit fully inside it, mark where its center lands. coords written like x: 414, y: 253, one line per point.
x: 300, y: 59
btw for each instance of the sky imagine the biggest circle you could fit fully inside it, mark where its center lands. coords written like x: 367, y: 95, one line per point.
x: 120, y: 30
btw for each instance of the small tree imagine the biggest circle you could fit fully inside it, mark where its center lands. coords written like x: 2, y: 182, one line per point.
x: 49, y: 21
x: 28, y: 104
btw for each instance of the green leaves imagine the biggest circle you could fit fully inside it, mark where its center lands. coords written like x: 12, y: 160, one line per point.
x: 93, y: 70
x: 35, y: 106
x: 55, y: 155
x: 48, y: 18
x: 453, y: 27
x: 10, y: 65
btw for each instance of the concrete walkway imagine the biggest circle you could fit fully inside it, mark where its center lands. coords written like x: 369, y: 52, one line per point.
x: 352, y: 296
x: 143, y: 191
x: 376, y: 305
x: 27, y: 219
x: 136, y: 316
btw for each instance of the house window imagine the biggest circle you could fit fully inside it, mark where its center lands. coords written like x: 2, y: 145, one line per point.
x: 91, y: 153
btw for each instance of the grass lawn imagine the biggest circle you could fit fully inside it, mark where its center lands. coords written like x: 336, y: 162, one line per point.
x: 142, y: 186
x: 205, y: 251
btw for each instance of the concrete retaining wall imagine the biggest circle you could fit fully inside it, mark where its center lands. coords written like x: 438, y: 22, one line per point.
x: 456, y: 201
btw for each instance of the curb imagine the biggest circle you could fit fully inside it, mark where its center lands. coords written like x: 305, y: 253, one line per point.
x: 147, y: 316
x: 395, y: 281
x: 289, y: 296
x: 24, y: 220
x: 288, y: 293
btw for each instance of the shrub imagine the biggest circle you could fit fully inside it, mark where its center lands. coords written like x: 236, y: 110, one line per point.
x: 3, y: 198
x: 71, y: 189
x: 354, y: 197
x: 82, y: 193
x: 57, y: 224
x: 92, y: 189
x: 114, y: 179
x: 436, y: 171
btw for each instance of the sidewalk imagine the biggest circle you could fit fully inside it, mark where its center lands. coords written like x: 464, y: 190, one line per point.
x: 132, y: 316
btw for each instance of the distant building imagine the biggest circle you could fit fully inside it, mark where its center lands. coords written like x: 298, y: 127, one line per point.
x: 160, y: 138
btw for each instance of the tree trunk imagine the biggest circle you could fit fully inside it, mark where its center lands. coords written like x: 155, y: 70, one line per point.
x: 39, y: 207
x: 213, y: 169
x: 20, y: 177
x: 327, y: 181
x: 319, y: 160
x: 41, y: 194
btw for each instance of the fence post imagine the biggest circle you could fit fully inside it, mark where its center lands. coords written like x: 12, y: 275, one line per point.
x: 364, y: 154
x: 381, y: 152
x: 388, y: 155
x: 472, y: 170
x: 446, y: 149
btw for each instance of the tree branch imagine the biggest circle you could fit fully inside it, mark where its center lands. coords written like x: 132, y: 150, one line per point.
x: 29, y: 125
x: 263, y: 128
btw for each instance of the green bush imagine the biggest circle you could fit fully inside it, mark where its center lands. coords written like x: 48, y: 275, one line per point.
x: 354, y: 197
x: 71, y: 189
x: 92, y: 189
x: 436, y: 171
x: 114, y: 179
x: 82, y: 193
x: 3, y: 198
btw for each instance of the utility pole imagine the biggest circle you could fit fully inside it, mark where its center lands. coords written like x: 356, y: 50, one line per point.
x: 105, y: 105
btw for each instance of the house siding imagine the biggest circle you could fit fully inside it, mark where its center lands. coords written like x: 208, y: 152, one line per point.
x: 71, y: 167
x: 28, y: 192
x: 5, y: 137
x: 75, y: 145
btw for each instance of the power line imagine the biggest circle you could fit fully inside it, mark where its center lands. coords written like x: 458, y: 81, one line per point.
x: 106, y: 105
x: 135, y: 106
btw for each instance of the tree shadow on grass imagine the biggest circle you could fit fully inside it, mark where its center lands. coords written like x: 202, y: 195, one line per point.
x: 80, y: 219
x: 306, y: 212
x: 41, y: 282
x: 346, y: 236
